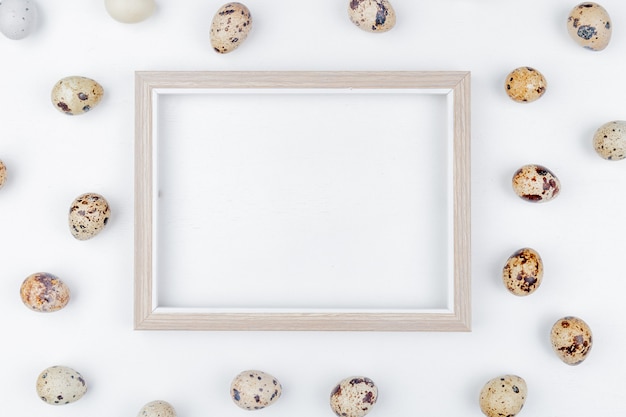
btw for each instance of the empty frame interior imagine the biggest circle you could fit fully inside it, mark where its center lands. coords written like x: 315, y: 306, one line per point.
x: 302, y: 201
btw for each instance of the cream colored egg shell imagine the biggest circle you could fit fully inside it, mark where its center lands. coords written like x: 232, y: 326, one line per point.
x: 157, y: 409
x: 60, y: 385
x: 503, y: 396
x: 76, y: 95
x: 89, y: 214
x: 571, y: 339
x: 255, y: 390
x: 523, y: 272
x: 353, y: 397
x: 372, y: 15
x: 130, y: 11
x: 44, y: 292
x: 3, y: 174
x: 609, y: 141
x: 230, y: 27
x: 536, y: 183
x: 525, y: 84
x: 590, y: 26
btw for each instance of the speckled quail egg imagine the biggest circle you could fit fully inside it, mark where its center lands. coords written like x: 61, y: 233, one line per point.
x: 76, y: 95
x: 571, y: 339
x: 230, y: 27
x: 609, y: 141
x: 89, y: 214
x: 536, y: 183
x: 60, y: 385
x: 525, y: 84
x: 44, y: 292
x: 353, y: 397
x: 503, y: 396
x: 157, y: 409
x: 523, y: 272
x: 130, y: 11
x: 18, y: 18
x: 372, y: 15
x: 590, y: 26
x: 3, y: 174
x: 254, y: 390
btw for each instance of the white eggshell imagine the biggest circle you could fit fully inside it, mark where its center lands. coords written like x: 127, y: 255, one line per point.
x: 89, y: 214
x: 130, y: 11
x: 18, y: 18
x: 157, y: 409
x: 503, y: 396
x: 230, y: 27
x: 255, y: 390
x: 60, y: 385
x: 353, y: 397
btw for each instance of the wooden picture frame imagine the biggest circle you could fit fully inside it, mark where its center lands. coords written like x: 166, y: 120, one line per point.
x: 453, y: 86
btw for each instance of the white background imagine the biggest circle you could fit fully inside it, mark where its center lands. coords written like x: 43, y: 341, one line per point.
x: 52, y: 159
x: 303, y: 200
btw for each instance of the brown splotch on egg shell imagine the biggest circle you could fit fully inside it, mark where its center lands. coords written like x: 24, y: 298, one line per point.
x: 523, y: 272
x: 44, y: 292
x: 60, y: 385
x: 76, y: 95
x: 255, y: 390
x: 3, y: 174
x: 590, y: 26
x: 503, y: 396
x: 89, y: 214
x: 372, y: 15
x: 157, y: 409
x: 609, y: 141
x: 571, y: 339
x: 353, y: 397
x: 230, y: 27
x: 536, y: 183
x: 525, y: 84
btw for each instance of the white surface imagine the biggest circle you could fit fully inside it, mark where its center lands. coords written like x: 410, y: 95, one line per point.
x: 303, y: 200
x: 53, y: 158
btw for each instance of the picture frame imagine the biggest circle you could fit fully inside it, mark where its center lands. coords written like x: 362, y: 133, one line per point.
x: 453, y: 86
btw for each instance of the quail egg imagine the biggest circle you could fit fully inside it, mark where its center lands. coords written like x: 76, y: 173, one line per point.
x: 372, y: 15
x: 503, y: 396
x: 60, y: 385
x: 353, y: 397
x: 18, y: 18
x: 230, y: 27
x: 130, y: 11
x: 590, y: 26
x: 44, y: 292
x: 536, y: 183
x: 609, y: 141
x: 76, y: 95
x: 3, y: 174
x: 523, y: 272
x: 157, y: 409
x: 525, y: 84
x: 254, y: 390
x: 571, y: 339
x: 89, y: 214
